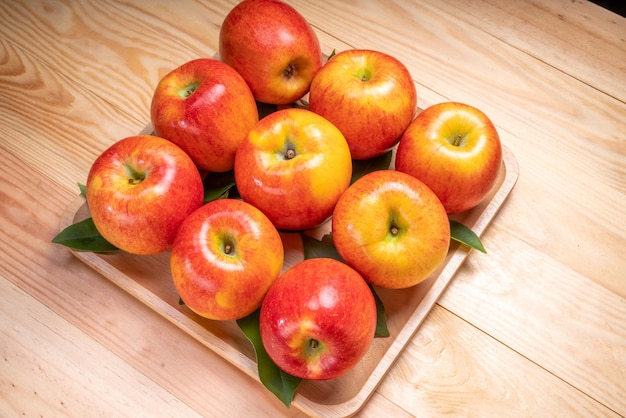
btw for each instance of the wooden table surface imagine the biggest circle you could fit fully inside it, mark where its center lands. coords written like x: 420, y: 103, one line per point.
x: 537, y: 327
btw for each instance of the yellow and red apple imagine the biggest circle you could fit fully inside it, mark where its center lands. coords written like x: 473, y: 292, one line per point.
x: 391, y: 228
x: 139, y: 190
x: 293, y: 166
x: 206, y: 108
x: 369, y: 95
x: 224, y: 258
x: 455, y: 149
x: 273, y: 47
x: 318, y: 319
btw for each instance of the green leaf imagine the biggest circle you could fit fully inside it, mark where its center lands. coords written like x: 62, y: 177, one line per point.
x: 83, y: 190
x: 314, y: 248
x: 381, y: 318
x: 465, y: 235
x: 217, y: 193
x: 83, y: 236
x: 218, y: 185
x: 281, y: 384
x: 325, y: 248
x: 362, y: 167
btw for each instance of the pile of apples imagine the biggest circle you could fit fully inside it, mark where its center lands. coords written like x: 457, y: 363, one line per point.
x: 293, y: 171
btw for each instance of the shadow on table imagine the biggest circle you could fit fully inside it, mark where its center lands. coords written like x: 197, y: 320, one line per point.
x: 616, y: 6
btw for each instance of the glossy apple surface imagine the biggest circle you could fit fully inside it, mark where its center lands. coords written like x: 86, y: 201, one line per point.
x: 369, y: 95
x: 293, y: 166
x: 318, y: 319
x: 391, y: 228
x: 206, y: 108
x: 455, y: 149
x: 139, y: 190
x: 224, y: 258
x: 273, y: 47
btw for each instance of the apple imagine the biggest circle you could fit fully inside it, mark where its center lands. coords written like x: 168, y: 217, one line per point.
x: 139, y: 190
x: 391, y: 228
x: 455, y: 149
x: 318, y: 319
x: 369, y: 95
x: 224, y: 258
x: 293, y: 166
x: 206, y: 108
x: 273, y: 47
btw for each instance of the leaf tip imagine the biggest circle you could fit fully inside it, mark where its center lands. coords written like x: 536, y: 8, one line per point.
x: 83, y: 190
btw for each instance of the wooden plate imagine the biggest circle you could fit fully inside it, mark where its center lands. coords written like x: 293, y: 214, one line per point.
x: 148, y: 279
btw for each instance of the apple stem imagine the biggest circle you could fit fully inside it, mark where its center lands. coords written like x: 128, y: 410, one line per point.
x: 364, y: 75
x: 188, y: 90
x: 313, y: 344
x: 457, y: 140
x: 228, y: 245
x: 134, y: 176
x: 394, y: 230
x: 289, y: 151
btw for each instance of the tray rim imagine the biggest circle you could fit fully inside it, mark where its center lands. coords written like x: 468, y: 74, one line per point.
x: 249, y: 366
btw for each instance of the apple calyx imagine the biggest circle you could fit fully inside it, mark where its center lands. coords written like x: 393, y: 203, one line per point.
x: 313, y: 348
x: 290, y: 71
x: 135, y: 177
x: 188, y: 89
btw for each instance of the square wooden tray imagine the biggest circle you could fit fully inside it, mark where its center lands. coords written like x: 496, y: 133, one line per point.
x: 148, y: 279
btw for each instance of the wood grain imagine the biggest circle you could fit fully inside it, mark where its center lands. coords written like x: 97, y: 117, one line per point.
x: 544, y: 31
x: 141, y: 43
x: 31, y: 363
x: 452, y: 369
x: 573, y: 326
x: 123, y: 60
x: 54, y: 125
x: 534, y: 328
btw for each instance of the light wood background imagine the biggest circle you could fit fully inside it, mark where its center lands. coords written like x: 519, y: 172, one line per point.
x: 535, y: 328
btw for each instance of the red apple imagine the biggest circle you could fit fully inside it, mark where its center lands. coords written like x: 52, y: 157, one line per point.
x: 139, y: 190
x: 224, y: 258
x: 455, y: 149
x: 318, y: 319
x: 293, y: 166
x: 273, y: 47
x: 370, y: 96
x: 206, y: 108
x: 391, y: 228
